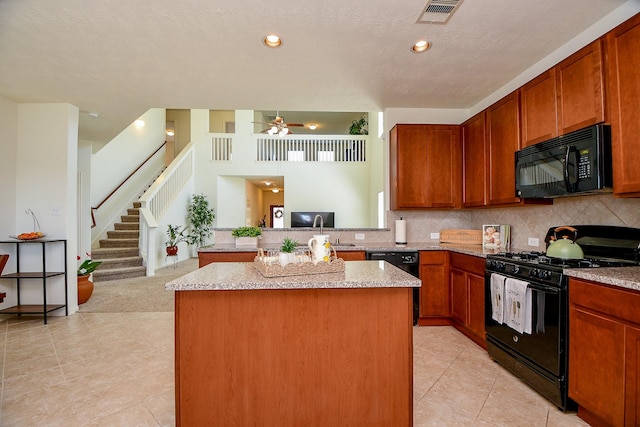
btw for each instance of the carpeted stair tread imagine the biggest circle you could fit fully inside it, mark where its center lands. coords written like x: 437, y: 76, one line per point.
x: 111, y: 263
x: 119, y: 273
x: 134, y: 212
x: 105, y: 253
x: 119, y: 243
x: 123, y: 234
x: 130, y: 218
x: 127, y: 226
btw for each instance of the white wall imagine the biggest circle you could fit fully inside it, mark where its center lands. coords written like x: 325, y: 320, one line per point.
x: 47, y: 143
x: 119, y: 158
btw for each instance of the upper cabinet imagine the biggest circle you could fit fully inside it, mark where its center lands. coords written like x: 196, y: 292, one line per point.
x: 568, y: 97
x: 425, y: 166
x: 474, y: 139
x: 623, y: 71
x: 503, y: 140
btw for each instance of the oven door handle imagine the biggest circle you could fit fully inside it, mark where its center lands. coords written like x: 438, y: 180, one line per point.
x: 544, y: 288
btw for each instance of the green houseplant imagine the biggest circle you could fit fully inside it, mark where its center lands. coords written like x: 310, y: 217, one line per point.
x: 287, y: 247
x: 175, y: 235
x: 247, y: 236
x: 200, y: 217
x: 359, y: 127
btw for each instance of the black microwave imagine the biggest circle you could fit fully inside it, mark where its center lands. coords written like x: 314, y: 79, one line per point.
x: 572, y: 164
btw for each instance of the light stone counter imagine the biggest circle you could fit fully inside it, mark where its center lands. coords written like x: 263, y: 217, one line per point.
x: 244, y: 276
x: 625, y: 277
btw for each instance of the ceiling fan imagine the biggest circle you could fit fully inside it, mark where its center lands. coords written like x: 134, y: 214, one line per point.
x: 278, y: 126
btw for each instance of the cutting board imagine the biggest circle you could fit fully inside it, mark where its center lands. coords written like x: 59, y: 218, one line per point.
x: 467, y: 237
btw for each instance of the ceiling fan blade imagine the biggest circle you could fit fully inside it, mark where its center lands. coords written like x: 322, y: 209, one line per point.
x: 295, y: 125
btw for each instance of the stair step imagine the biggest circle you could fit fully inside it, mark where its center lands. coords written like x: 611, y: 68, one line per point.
x: 123, y: 234
x: 119, y: 273
x: 137, y: 205
x: 127, y: 226
x: 134, y: 212
x: 108, y: 253
x: 113, y: 263
x: 130, y: 218
x: 119, y: 243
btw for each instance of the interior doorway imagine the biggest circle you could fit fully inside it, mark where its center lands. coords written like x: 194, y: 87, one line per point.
x: 277, y: 216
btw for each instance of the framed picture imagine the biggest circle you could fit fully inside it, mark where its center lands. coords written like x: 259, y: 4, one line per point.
x: 496, y: 236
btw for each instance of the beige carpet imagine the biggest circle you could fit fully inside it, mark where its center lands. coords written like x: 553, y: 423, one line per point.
x: 138, y: 294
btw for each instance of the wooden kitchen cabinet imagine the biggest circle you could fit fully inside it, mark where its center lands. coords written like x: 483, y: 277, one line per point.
x: 425, y: 166
x: 503, y: 140
x: 205, y: 258
x: 435, y: 294
x: 623, y: 63
x: 474, y: 139
x: 467, y: 296
x: 539, y: 109
x: 604, y: 344
x: 351, y: 255
x: 565, y: 98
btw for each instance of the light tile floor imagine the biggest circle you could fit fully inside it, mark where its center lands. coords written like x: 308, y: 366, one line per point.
x: 116, y: 369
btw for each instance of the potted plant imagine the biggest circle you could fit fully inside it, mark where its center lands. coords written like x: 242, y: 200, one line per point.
x: 200, y: 217
x: 247, y: 236
x: 175, y: 236
x: 358, y: 127
x: 287, y: 247
x: 85, y: 286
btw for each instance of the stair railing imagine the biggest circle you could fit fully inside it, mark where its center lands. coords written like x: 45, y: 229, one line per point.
x: 93, y: 209
x: 155, y: 201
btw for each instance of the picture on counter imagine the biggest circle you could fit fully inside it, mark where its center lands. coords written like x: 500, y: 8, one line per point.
x: 496, y: 236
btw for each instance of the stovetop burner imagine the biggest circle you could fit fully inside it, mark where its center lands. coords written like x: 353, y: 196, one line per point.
x: 533, y: 257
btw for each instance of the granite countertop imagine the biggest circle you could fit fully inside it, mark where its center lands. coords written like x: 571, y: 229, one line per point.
x: 624, y: 277
x: 475, y: 250
x: 244, y: 276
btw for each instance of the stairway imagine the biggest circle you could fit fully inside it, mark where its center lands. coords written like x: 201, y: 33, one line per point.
x: 119, y: 252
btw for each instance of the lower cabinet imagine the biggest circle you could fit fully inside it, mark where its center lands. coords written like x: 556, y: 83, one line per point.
x: 467, y: 296
x: 435, y: 291
x: 604, y: 353
x: 351, y: 255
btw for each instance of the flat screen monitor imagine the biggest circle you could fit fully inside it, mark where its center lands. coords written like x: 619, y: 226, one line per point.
x: 305, y: 219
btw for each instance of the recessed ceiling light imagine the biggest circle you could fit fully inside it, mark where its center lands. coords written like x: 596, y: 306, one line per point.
x: 93, y: 114
x: 139, y: 123
x: 267, y: 183
x: 420, y: 46
x: 272, y: 40
x: 170, y: 132
x: 313, y: 126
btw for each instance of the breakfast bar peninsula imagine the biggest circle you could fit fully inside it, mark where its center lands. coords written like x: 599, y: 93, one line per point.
x: 319, y: 349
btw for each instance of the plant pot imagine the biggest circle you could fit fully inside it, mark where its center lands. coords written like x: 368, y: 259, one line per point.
x: 172, y: 250
x: 85, y: 289
x: 246, y: 242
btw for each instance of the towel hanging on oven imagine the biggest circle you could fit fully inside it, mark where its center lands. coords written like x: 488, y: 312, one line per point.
x: 497, y: 297
x: 518, y: 304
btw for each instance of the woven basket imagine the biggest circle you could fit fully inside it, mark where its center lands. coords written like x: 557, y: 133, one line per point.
x: 335, y: 265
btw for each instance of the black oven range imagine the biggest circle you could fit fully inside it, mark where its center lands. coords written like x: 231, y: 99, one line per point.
x: 526, y: 305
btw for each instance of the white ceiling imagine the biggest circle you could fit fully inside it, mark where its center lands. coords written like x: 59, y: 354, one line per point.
x: 121, y: 58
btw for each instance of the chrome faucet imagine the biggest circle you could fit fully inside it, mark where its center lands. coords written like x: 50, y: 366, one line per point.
x: 321, y: 222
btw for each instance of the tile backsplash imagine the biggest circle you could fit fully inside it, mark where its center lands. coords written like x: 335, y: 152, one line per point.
x: 528, y: 221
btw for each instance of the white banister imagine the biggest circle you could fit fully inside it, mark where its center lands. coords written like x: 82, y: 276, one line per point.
x: 156, y: 200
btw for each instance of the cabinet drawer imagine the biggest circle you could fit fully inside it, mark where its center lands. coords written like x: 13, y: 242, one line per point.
x: 433, y: 257
x: 616, y: 302
x: 472, y: 264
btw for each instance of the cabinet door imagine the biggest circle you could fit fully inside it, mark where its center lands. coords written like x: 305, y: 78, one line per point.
x: 443, y: 166
x: 503, y: 130
x: 632, y: 377
x: 459, y: 296
x: 475, y: 285
x: 351, y: 255
x: 538, y: 105
x: 434, y: 294
x: 596, y: 364
x: 580, y: 82
x: 473, y: 161
x: 408, y: 166
x: 623, y: 63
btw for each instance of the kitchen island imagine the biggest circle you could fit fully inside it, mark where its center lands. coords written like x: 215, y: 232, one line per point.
x: 323, y: 349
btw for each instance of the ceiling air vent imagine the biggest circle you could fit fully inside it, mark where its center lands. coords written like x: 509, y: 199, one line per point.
x: 438, y: 11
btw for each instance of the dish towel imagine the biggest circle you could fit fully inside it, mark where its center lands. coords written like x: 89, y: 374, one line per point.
x: 497, y: 297
x: 517, y: 314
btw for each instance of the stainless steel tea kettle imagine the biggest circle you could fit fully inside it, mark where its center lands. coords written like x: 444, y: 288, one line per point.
x: 564, y: 247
